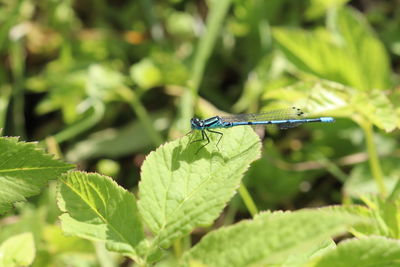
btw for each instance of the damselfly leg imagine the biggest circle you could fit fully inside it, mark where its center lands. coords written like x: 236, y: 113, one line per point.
x: 204, y: 136
x: 219, y: 140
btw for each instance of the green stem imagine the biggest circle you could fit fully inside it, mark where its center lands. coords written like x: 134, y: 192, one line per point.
x: 178, y: 250
x: 5, y: 95
x: 373, y: 157
x: 331, y: 167
x: 218, y: 11
x: 248, y: 201
x: 217, y: 14
x: 130, y: 96
x: 17, y: 69
x: 81, y: 126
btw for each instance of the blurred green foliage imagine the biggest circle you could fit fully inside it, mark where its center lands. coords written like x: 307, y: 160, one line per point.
x: 115, y: 79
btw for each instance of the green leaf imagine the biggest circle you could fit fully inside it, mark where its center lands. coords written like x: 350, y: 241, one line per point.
x: 24, y: 170
x: 366, y: 49
x: 386, y: 217
x: 4, y: 207
x: 181, y: 190
x: 18, y: 250
x: 314, y: 251
x: 272, y: 237
x: 377, y: 108
x: 318, y: 7
x: 218, y: 10
x: 101, y: 81
x: 111, y: 142
x: 321, y: 96
x: 58, y: 243
x: 317, y: 96
x: 279, y: 186
x: 349, y: 54
x: 316, y: 53
x: 361, y: 181
x: 146, y: 74
x: 372, y: 251
x: 95, y: 207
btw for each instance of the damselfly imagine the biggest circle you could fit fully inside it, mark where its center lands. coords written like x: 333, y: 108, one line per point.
x: 283, y: 118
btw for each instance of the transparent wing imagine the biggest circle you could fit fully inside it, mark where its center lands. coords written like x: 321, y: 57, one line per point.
x: 278, y: 114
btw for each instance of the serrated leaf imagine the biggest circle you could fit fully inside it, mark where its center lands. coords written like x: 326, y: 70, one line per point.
x: 272, y: 237
x: 95, y: 207
x: 371, y: 251
x: 181, y: 190
x: 18, y: 250
x: 24, y: 170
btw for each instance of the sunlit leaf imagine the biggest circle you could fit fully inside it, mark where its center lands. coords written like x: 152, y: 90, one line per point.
x: 363, y: 45
x: 349, y: 53
x: 316, y: 53
x: 18, y: 250
x: 271, y: 238
x: 58, y: 243
x: 298, y: 259
x: 385, y: 214
x: 331, y: 98
x: 377, y: 108
x: 24, y: 170
x: 315, y: 97
x: 102, y: 81
x: 145, y: 74
x: 371, y: 251
x: 95, y: 207
x: 180, y: 190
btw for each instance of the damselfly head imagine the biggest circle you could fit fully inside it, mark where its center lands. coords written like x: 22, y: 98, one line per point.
x: 196, y: 124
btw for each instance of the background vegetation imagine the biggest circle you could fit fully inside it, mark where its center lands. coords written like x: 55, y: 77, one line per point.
x: 102, y: 83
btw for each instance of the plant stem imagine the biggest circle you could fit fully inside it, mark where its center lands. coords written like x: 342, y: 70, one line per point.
x: 216, y: 16
x: 17, y: 69
x: 130, y: 96
x: 248, y: 201
x: 178, y: 250
x: 218, y: 11
x: 5, y: 95
x: 331, y: 167
x: 373, y: 157
x: 53, y: 147
x: 81, y: 126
